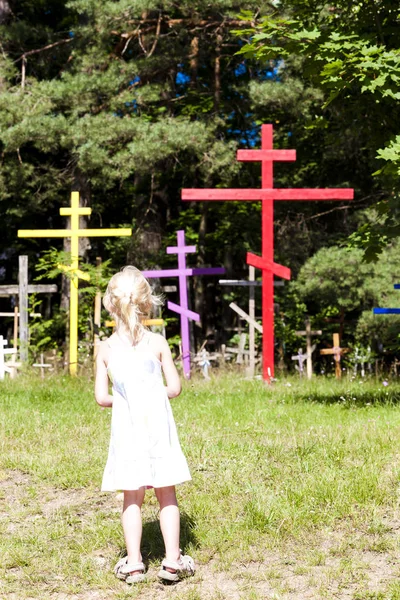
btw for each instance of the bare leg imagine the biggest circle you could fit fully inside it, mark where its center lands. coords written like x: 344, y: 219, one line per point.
x: 169, y: 521
x: 132, y: 523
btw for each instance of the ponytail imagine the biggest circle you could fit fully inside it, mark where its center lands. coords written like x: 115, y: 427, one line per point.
x: 129, y: 300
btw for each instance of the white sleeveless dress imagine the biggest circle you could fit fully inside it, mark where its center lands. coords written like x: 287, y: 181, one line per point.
x: 144, y: 447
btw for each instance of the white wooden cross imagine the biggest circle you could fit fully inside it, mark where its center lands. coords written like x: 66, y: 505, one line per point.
x: 11, y: 366
x: 361, y: 356
x: 42, y: 365
x: 253, y: 324
x: 22, y: 290
x: 309, y: 333
x: 245, y: 316
x: 16, y: 314
x: 251, y: 284
x: 3, y: 343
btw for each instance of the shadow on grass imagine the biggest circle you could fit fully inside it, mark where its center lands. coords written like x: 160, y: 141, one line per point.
x: 152, y: 541
x: 348, y: 395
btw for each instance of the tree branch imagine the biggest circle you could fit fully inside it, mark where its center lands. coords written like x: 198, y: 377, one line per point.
x: 157, y: 36
x: 141, y: 43
x: 189, y: 23
x: 190, y: 20
x: 357, y: 203
x: 30, y: 52
x: 48, y: 47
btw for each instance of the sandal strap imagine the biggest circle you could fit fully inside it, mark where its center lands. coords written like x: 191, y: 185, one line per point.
x: 120, y: 564
x: 188, y: 563
x: 185, y: 563
x: 171, y: 564
x: 131, y: 567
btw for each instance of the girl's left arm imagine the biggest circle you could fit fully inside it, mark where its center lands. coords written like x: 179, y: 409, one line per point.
x: 101, y: 394
x: 171, y: 375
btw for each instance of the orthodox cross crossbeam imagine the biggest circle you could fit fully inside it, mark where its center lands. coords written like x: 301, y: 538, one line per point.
x: 74, y: 233
x: 245, y: 316
x: 267, y: 195
x: 183, y: 272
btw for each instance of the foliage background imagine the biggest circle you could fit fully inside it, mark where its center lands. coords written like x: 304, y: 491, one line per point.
x: 128, y: 102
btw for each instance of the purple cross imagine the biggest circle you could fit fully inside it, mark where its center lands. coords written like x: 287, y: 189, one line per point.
x: 182, y: 309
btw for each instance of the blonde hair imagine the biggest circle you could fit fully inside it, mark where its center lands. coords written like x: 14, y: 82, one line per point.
x: 129, y: 299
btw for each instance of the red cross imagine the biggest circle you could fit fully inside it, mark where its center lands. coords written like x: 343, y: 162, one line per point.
x: 267, y: 194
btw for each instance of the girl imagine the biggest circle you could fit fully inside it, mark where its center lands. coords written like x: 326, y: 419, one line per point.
x: 144, y: 448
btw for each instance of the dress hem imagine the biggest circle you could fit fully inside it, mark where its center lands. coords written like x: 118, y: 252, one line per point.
x: 145, y: 485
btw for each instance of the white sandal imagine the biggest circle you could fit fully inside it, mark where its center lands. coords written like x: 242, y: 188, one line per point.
x: 123, y: 569
x: 184, y: 567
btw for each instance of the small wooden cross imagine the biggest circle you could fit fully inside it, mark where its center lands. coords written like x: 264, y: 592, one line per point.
x: 204, y: 363
x: 301, y: 358
x: 337, y: 352
x: 309, y: 333
x: 42, y: 365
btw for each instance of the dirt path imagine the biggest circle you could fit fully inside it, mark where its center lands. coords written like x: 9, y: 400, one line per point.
x: 346, y: 563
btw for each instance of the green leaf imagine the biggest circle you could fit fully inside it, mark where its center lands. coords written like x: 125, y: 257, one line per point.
x: 305, y: 34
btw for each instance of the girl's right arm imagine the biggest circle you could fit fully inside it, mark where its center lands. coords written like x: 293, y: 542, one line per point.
x: 101, y: 394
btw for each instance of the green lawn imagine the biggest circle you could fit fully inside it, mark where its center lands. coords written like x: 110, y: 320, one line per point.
x: 295, y: 492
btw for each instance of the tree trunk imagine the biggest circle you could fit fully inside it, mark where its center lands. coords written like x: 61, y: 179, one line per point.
x: 5, y: 11
x: 194, y: 60
x: 217, y: 72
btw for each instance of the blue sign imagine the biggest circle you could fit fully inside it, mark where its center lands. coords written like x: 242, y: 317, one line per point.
x: 388, y: 311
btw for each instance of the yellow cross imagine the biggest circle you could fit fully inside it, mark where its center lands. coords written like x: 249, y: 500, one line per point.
x: 78, y: 272
x: 147, y: 322
x: 75, y: 211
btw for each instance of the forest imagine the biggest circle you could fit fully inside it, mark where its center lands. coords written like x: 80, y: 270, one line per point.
x: 130, y: 101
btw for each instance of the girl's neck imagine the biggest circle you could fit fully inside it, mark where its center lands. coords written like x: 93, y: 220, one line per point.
x: 125, y: 336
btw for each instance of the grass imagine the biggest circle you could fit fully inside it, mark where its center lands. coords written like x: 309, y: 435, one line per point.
x: 295, y: 491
